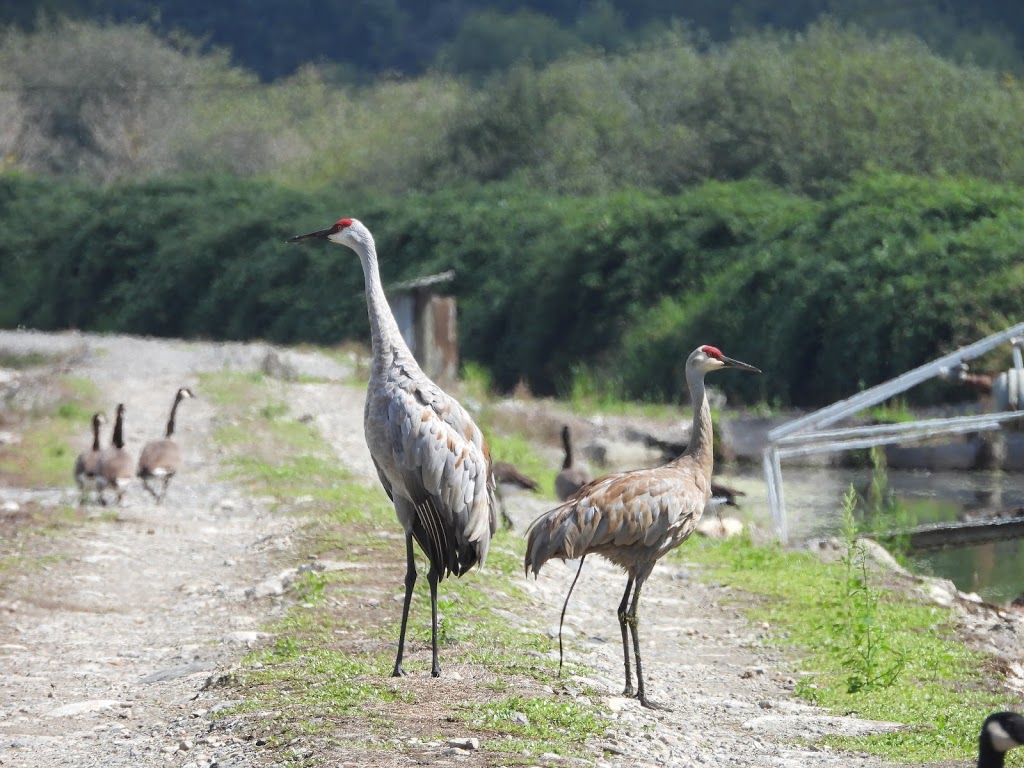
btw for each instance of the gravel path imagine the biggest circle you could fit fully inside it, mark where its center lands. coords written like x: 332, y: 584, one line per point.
x: 105, y: 651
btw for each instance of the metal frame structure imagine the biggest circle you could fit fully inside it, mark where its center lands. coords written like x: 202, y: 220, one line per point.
x: 807, y: 434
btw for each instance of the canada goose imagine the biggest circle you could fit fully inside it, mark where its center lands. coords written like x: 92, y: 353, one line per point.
x: 115, y: 465
x: 87, y: 465
x: 1001, y: 732
x: 162, y: 458
x: 508, y: 474
x: 571, y: 478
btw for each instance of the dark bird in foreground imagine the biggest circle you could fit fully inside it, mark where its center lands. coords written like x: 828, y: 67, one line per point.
x: 1001, y: 732
x: 431, y: 458
x: 634, y: 518
x: 572, y: 476
x: 161, y: 459
x: 116, y: 465
x: 87, y: 464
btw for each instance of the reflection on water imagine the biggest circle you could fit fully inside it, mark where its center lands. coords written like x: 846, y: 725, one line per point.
x: 814, y: 509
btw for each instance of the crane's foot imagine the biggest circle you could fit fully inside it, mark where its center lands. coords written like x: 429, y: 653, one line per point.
x: 398, y: 671
x: 649, y: 704
x: 435, y: 672
x: 628, y: 691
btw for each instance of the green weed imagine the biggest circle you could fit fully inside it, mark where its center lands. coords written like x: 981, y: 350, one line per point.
x: 943, y: 689
x: 533, y: 725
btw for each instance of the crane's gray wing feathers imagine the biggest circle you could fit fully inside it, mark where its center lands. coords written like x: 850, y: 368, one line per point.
x: 636, y: 514
x: 435, y: 456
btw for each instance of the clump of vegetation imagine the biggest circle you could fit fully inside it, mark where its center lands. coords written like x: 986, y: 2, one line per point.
x: 867, y: 648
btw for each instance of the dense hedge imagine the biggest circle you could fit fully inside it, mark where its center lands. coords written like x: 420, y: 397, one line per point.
x: 826, y: 296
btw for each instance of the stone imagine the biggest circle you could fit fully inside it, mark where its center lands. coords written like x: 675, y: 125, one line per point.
x: 83, y: 707
x: 173, y: 673
x: 468, y: 743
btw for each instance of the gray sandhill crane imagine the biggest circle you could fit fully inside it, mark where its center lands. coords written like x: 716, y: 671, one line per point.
x: 87, y: 463
x: 634, y: 518
x: 116, y: 465
x: 1001, y: 732
x: 431, y: 458
x: 161, y: 459
x: 572, y: 476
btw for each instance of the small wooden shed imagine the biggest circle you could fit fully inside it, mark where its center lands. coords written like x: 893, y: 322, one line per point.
x: 428, y: 323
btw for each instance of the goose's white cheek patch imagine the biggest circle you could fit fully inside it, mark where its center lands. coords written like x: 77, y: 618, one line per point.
x: 1001, y: 740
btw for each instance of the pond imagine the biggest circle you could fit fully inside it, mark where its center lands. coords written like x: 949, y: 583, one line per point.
x: 994, y: 570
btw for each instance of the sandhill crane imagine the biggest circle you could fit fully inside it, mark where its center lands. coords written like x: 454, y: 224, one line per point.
x: 572, y: 477
x: 116, y: 465
x: 633, y: 518
x: 431, y: 458
x: 162, y: 458
x: 87, y: 464
x: 1001, y: 732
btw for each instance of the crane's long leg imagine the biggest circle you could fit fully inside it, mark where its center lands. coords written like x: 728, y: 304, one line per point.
x: 561, y: 619
x: 633, y: 624
x: 435, y: 665
x: 410, y: 582
x: 623, y: 619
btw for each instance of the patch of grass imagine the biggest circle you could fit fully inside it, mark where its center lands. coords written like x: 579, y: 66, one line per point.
x: 944, y: 689
x: 532, y: 724
x: 46, y: 454
x: 19, y: 361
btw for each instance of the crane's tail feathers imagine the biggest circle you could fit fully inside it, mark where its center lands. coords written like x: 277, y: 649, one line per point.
x: 561, y: 619
x: 558, y: 534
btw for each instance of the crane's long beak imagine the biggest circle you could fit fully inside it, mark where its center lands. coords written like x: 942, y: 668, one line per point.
x: 730, y: 363
x: 321, y: 235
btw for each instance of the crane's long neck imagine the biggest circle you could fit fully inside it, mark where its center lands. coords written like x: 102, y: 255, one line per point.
x: 701, y: 445
x: 170, y: 421
x: 385, y: 337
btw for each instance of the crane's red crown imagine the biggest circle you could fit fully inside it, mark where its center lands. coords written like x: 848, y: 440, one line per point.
x: 710, y: 351
x: 340, y: 224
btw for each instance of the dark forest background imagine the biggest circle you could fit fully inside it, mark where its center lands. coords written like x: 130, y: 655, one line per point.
x: 828, y: 189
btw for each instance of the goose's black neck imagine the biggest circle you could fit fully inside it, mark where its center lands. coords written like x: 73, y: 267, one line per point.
x: 95, y: 433
x: 567, y: 443
x: 118, y: 438
x: 174, y: 411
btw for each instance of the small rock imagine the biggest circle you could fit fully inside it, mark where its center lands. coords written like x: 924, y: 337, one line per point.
x: 246, y: 637
x: 9, y: 506
x: 469, y: 743
x: 184, y: 745
x: 83, y: 707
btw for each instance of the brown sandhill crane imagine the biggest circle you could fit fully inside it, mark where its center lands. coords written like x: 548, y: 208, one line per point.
x: 431, y: 458
x: 116, y: 465
x: 1001, y: 732
x: 87, y: 463
x: 634, y: 518
x: 161, y: 459
x: 572, y: 476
